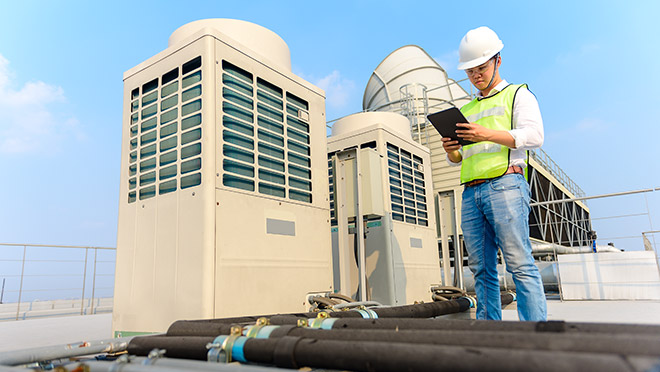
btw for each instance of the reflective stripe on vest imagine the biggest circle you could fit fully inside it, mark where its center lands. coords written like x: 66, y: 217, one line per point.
x: 495, y: 111
x: 485, y: 160
x: 480, y: 148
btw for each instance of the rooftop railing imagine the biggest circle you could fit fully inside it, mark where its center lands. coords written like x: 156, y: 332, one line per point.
x: 33, y: 276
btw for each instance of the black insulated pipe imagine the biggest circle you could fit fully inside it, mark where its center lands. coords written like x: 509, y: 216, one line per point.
x: 424, y: 310
x: 193, y: 328
x: 184, y: 328
x: 296, y: 352
x: 623, y: 344
x: 497, y: 326
x: 176, y: 347
x: 214, y: 327
x: 627, y: 344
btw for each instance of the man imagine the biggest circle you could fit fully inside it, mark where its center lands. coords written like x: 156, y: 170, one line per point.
x: 504, y: 122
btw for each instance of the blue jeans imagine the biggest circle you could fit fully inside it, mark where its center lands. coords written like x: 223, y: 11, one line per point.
x: 496, y: 215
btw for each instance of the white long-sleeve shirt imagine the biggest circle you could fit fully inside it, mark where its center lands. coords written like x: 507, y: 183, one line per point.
x: 527, y: 124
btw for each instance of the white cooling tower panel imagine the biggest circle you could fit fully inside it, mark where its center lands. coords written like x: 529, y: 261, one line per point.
x: 407, y: 65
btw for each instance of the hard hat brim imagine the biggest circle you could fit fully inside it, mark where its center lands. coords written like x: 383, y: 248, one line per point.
x: 478, y: 61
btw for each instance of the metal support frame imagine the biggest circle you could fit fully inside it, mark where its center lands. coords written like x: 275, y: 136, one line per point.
x: 342, y: 179
x: 559, y: 218
x: 458, y: 249
x: 444, y: 241
x: 555, y: 218
x: 445, y: 231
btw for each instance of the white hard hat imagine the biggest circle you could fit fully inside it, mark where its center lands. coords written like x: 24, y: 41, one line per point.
x: 478, y: 46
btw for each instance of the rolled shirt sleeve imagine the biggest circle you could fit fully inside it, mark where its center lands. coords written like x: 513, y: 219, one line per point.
x: 527, y: 121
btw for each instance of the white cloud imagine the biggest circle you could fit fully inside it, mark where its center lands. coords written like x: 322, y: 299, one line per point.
x: 29, y: 116
x: 339, y: 91
x: 449, y: 61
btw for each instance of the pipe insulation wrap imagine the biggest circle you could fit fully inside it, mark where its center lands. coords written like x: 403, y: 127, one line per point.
x: 294, y: 352
x: 213, y: 354
x: 263, y: 332
x: 624, y: 343
x: 214, y: 327
x: 237, y: 349
x: 627, y: 344
x: 190, y: 347
x: 328, y: 323
x: 498, y: 326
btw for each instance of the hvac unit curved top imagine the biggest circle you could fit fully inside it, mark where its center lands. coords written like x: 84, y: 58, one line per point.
x: 258, y: 38
x: 358, y: 122
x: 410, y: 64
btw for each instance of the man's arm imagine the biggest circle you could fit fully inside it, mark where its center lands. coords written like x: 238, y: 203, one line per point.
x: 476, y: 133
x: 452, y: 149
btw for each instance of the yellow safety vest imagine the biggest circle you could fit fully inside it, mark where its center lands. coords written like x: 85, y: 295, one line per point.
x: 486, y: 160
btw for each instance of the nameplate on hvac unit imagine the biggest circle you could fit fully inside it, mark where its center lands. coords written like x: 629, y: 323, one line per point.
x: 280, y: 227
x: 415, y: 243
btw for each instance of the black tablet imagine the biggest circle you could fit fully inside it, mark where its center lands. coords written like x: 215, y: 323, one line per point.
x: 445, y: 123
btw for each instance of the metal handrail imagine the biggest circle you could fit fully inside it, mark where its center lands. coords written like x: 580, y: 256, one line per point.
x: 24, y: 260
x: 548, y: 164
x: 592, y: 197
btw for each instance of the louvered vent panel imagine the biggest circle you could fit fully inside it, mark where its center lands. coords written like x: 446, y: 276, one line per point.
x: 407, y: 187
x: 165, y: 133
x: 265, y: 137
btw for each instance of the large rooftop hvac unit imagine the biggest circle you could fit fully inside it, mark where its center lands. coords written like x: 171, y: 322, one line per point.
x: 381, y: 187
x: 220, y: 213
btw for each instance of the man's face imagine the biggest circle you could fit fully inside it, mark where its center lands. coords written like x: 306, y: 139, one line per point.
x: 480, y: 76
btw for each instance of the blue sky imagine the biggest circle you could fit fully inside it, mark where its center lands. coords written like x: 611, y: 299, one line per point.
x: 592, y: 64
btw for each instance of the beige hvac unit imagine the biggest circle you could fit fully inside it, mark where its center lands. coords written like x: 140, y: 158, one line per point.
x: 382, y: 210
x: 222, y: 210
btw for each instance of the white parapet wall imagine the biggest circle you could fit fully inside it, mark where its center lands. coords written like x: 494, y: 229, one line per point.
x: 610, y: 276
x: 52, y: 308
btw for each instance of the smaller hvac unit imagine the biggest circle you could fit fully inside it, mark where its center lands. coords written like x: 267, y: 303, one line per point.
x: 382, y: 202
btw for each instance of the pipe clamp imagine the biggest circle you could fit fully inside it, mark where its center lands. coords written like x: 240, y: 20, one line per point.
x: 318, y: 321
x: 367, y: 313
x: 253, y: 332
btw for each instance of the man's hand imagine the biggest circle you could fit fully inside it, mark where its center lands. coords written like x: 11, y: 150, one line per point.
x: 451, y: 148
x: 474, y: 132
